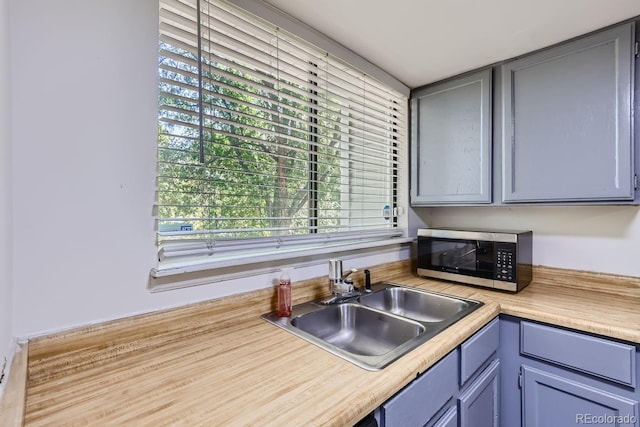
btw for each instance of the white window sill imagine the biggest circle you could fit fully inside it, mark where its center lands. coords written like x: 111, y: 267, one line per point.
x: 181, y: 274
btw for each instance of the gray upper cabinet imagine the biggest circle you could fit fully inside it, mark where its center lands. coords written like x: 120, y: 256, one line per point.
x: 567, y: 122
x: 451, y: 141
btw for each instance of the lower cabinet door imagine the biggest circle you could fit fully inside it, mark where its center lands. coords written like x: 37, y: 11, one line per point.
x: 421, y: 400
x: 479, y: 405
x: 448, y: 419
x: 553, y: 401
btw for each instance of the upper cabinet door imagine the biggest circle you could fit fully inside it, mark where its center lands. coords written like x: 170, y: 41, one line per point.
x: 567, y: 128
x: 451, y: 142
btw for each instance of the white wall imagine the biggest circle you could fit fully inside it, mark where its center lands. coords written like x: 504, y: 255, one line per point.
x: 85, y: 121
x: 84, y: 134
x: 594, y: 238
x: 6, y: 294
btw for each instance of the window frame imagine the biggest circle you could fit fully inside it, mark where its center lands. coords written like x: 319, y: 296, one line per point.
x: 180, y: 265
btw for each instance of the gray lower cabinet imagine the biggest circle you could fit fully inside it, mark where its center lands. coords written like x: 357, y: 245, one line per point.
x: 479, y: 405
x: 421, y: 400
x: 554, y: 401
x: 451, y: 141
x: 557, y: 377
x: 461, y: 389
x: 448, y: 419
x: 515, y: 372
x: 567, y: 121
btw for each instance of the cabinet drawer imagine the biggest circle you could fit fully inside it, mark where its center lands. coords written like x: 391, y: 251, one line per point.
x: 597, y: 356
x: 417, y: 403
x: 476, y: 350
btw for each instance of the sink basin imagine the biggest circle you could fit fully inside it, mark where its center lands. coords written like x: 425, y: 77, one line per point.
x: 373, y: 330
x: 358, y: 329
x: 418, y: 305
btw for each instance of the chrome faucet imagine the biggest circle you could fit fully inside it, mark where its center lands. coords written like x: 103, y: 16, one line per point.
x: 341, y: 288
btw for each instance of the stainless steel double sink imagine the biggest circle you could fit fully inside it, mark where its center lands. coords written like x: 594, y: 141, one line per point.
x: 375, y: 329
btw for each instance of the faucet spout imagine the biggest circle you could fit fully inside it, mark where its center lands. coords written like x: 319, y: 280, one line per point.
x: 335, y: 274
x: 340, y: 288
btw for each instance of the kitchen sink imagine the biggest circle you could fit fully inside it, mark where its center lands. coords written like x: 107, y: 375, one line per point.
x: 414, y: 304
x: 375, y: 329
x: 358, y: 329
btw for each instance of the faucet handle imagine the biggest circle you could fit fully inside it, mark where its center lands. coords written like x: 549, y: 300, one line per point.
x: 353, y: 270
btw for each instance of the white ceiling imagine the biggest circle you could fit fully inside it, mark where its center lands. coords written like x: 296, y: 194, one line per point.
x: 422, y: 41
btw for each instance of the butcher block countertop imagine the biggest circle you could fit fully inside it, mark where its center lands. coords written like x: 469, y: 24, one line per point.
x: 217, y: 363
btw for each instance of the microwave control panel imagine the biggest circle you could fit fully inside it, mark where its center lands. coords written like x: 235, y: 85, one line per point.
x: 505, y: 262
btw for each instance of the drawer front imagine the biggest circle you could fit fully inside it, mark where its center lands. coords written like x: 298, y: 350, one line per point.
x: 417, y: 403
x: 478, y: 349
x: 597, y: 356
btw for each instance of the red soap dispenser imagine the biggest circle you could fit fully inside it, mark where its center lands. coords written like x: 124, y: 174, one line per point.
x: 284, y: 295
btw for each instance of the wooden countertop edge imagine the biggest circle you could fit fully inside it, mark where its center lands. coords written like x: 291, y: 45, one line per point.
x: 264, y: 300
x: 587, y: 280
x: 117, y: 338
x: 12, y: 406
x: 164, y: 321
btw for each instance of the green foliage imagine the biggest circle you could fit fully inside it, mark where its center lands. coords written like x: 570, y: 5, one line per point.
x: 234, y: 154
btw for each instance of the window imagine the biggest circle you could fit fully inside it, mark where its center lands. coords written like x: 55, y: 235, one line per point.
x: 267, y: 144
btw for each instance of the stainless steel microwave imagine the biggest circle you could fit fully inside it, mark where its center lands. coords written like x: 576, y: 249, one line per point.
x: 499, y: 259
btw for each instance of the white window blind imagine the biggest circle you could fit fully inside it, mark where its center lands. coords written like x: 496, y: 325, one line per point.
x: 266, y: 143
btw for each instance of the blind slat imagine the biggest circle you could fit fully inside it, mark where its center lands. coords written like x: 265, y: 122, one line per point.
x: 264, y: 136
